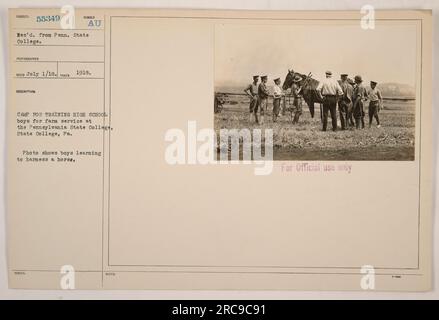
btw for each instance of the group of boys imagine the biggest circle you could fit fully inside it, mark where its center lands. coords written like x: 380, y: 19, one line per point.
x: 349, y: 95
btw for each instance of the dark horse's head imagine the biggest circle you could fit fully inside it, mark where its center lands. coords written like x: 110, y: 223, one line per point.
x: 288, y: 82
x: 310, y: 94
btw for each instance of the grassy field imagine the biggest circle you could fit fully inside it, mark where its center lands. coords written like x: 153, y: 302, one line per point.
x: 306, y: 140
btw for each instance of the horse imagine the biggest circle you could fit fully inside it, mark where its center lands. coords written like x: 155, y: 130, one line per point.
x: 309, y: 90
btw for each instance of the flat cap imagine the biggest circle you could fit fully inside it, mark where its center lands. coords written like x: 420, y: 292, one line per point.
x: 358, y: 78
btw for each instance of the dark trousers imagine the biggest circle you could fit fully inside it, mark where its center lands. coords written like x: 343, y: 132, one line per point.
x: 373, y: 112
x: 350, y: 116
x: 330, y: 105
x: 359, y: 114
x: 346, y: 118
x: 260, y: 108
x: 343, y: 114
x: 298, y: 102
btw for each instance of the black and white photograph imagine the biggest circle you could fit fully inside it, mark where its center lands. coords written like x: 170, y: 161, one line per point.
x: 328, y: 91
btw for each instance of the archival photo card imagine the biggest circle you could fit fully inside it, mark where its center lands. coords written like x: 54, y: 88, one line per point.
x: 219, y: 150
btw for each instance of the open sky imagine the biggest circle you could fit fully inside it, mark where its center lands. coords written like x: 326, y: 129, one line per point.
x: 385, y: 54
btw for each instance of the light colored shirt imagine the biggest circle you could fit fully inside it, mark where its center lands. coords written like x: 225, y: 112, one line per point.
x: 374, y: 94
x: 277, y: 91
x: 330, y: 86
x: 253, y: 88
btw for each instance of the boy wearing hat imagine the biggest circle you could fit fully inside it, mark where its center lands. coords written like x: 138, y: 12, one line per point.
x: 345, y: 102
x: 375, y: 101
x: 296, y: 91
x: 263, y: 94
x: 277, y: 96
x: 359, y: 97
x: 252, y: 91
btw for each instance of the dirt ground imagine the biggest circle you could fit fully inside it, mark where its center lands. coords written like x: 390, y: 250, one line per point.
x: 306, y: 140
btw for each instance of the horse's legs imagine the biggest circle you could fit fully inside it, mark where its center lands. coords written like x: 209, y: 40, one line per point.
x: 311, y: 108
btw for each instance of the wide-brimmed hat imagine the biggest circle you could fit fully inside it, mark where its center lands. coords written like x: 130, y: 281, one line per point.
x: 358, y: 78
x: 329, y: 73
x: 373, y: 83
x: 277, y: 79
x: 297, y: 78
x: 255, y: 77
x: 344, y: 75
x: 264, y: 77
